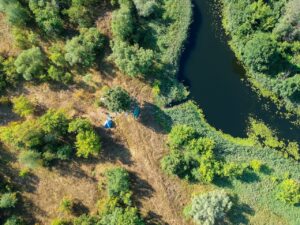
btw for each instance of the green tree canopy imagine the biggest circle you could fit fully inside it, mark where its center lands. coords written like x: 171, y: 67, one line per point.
x: 31, y: 63
x: 117, y: 100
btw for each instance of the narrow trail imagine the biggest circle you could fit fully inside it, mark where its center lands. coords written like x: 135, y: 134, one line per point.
x: 147, y: 148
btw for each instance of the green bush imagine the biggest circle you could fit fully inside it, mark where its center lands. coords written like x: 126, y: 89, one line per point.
x: 66, y: 205
x: 54, y: 123
x: 180, y: 135
x: 59, y: 75
x: 30, y: 159
x: 210, y: 208
x: 117, y: 182
x: 22, y: 106
x: 60, y: 222
x: 145, y: 7
x: 87, y: 143
x: 8, y: 200
x: 31, y: 63
x: 289, y: 191
x: 117, y: 100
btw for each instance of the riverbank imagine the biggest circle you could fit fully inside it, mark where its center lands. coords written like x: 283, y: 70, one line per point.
x: 278, y: 80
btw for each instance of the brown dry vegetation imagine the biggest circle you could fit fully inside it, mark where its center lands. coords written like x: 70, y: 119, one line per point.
x: 136, y: 145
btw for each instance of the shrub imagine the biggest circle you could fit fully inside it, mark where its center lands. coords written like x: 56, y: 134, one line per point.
x: 30, y: 63
x: 117, y: 100
x: 210, y: 208
x: 66, y: 205
x: 30, y: 159
x: 289, y: 191
x: 209, y: 167
x: 180, y: 135
x: 8, y: 200
x: 256, y: 165
x: 233, y: 170
x: 293, y: 150
x: 60, y: 222
x: 117, y: 182
x: 22, y: 106
x: 127, y: 216
x: 10, y: 71
x: 87, y: 143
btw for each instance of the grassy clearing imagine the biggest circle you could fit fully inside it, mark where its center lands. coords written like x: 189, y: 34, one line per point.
x: 256, y: 193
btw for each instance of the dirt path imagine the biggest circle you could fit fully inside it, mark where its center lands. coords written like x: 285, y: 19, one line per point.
x: 147, y: 147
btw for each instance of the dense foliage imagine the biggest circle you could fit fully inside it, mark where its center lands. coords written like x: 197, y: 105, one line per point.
x: 117, y: 100
x: 49, y: 137
x: 266, y: 38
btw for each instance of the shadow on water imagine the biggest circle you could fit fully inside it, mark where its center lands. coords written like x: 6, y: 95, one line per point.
x: 217, y: 81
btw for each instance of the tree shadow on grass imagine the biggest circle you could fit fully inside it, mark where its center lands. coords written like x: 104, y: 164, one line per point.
x: 143, y: 190
x: 113, y: 150
x: 155, y: 118
x: 79, y: 208
x: 249, y: 177
x: 239, y: 212
x: 153, y: 219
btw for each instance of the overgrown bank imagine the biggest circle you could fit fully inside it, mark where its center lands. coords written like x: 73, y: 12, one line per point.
x: 265, y: 37
x: 251, y: 170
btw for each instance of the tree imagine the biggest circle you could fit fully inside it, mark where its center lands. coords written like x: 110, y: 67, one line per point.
x: 260, y: 52
x: 132, y: 60
x: 79, y: 125
x: 289, y: 191
x: 13, y: 220
x: 117, y: 100
x: 117, y: 182
x: 54, y: 123
x: 122, y: 23
x: 145, y: 7
x: 31, y: 63
x: 82, y: 49
x: 87, y: 143
x: 288, y: 27
x: 22, y: 106
x: 58, y: 74
x: 210, y: 208
x: 8, y: 200
x: 180, y: 135
x: 81, y: 12
x: 127, y: 216
x: 15, y: 13
x: 47, y: 15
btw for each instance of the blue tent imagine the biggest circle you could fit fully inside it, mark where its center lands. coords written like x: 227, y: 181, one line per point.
x: 136, y: 112
x: 108, y: 123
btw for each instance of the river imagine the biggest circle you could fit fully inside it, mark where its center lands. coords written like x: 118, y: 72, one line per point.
x: 218, y: 83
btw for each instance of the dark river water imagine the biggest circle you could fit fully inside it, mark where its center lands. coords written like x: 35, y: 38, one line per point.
x: 218, y: 82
